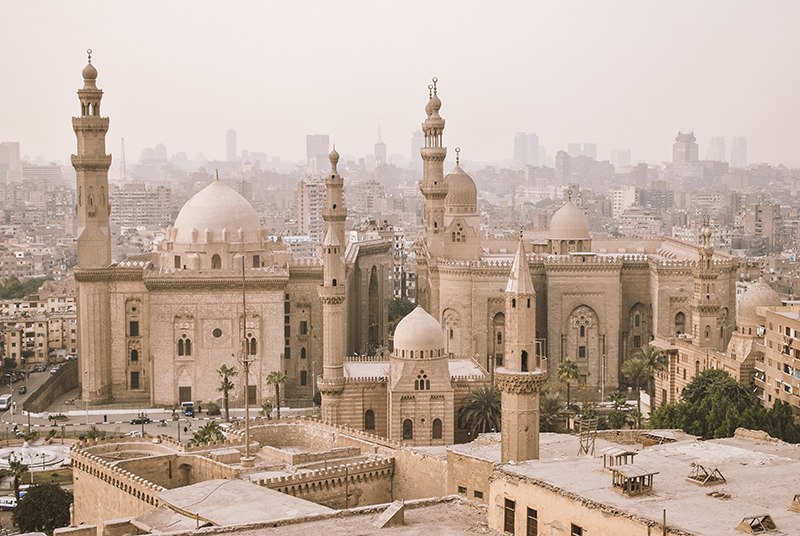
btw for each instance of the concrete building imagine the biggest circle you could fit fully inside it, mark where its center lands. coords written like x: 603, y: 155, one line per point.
x: 138, y: 204
x: 684, y: 156
x: 739, y: 152
x: 310, y: 203
x: 777, y: 372
x: 317, y: 148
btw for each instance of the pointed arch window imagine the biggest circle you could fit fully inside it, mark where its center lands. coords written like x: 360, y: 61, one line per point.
x: 134, y: 355
x: 583, y: 331
x: 524, y: 360
x: 408, y: 429
x: 437, y: 429
x: 184, y: 346
x: 252, y: 345
x: 369, y: 420
x: 637, y: 321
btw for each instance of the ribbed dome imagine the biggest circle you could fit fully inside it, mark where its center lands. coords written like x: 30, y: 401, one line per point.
x: 418, y: 331
x: 569, y: 223
x: 217, y: 207
x: 757, y: 295
x: 461, y: 188
x: 89, y: 72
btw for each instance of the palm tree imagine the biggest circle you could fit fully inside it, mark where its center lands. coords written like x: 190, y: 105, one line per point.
x: 226, y: 385
x: 550, y: 407
x: 659, y: 361
x: 637, y: 370
x: 481, y: 409
x: 568, y: 371
x: 276, y: 378
x: 17, y: 469
x: 211, y: 431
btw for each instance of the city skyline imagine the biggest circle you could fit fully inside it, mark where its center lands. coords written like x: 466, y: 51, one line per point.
x: 620, y: 75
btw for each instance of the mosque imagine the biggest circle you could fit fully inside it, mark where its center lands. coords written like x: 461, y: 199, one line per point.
x: 506, y: 311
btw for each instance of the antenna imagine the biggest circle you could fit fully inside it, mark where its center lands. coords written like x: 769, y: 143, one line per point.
x: 123, y: 159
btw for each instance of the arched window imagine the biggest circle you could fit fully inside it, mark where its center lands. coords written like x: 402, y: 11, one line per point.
x: 369, y: 420
x: 708, y: 331
x: 180, y: 347
x: 680, y: 323
x: 437, y: 428
x: 636, y: 321
x: 253, y: 346
x: 529, y: 303
x: 499, y: 337
x: 188, y: 347
x: 583, y: 331
x: 513, y: 302
x: 216, y: 262
x: 525, y: 360
x: 416, y: 385
x: 302, y: 353
x: 134, y: 355
x: 333, y: 283
x: 408, y: 429
x: 428, y: 385
x: 697, y: 367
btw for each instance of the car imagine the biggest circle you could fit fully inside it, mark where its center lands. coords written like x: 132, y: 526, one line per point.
x: 8, y: 503
x: 53, y: 370
x: 41, y: 368
x: 141, y: 419
x: 23, y: 390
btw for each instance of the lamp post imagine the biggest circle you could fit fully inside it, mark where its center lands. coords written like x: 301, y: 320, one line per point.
x: 86, y: 400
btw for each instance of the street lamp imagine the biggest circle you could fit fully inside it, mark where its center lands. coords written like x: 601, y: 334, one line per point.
x: 86, y: 400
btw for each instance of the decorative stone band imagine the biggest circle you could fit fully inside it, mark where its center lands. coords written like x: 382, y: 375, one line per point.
x: 81, y: 163
x: 519, y: 383
x: 330, y: 387
x: 332, y: 295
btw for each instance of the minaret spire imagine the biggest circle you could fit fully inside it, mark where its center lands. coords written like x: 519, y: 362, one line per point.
x: 432, y: 185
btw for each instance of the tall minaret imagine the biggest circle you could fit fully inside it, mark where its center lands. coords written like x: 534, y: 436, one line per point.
x: 705, y: 305
x: 521, y: 378
x: 91, y: 165
x: 432, y: 185
x: 332, y: 293
x: 92, y: 274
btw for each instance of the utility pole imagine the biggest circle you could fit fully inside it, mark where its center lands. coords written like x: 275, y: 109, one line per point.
x: 248, y: 460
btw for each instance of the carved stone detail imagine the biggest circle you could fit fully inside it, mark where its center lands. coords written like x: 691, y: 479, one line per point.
x: 519, y: 383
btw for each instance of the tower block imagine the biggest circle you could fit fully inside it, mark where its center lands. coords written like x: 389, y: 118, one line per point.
x: 522, y: 377
x: 91, y: 165
x: 332, y: 293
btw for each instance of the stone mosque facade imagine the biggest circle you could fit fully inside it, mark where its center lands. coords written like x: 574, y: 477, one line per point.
x: 506, y: 311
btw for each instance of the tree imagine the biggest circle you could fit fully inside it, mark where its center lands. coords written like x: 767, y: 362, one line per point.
x: 550, y: 407
x: 567, y: 372
x: 480, y: 410
x: 266, y: 410
x: 225, y: 386
x: 44, y: 508
x: 658, y: 360
x: 17, y: 469
x: 714, y: 405
x: 276, y: 378
x: 637, y: 370
x: 210, y: 431
x: 398, y: 308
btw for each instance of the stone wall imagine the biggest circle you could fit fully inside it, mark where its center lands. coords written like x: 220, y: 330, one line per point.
x: 345, y: 486
x: 467, y: 475
x: 293, y: 435
x: 417, y: 475
x: 300, y: 458
x: 63, y: 381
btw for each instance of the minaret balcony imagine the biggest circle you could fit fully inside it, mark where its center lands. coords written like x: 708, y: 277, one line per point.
x: 334, y: 214
x: 520, y: 383
x: 331, y: 295
x: 88, y: 123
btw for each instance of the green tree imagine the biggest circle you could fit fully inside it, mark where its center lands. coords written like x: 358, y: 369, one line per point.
x: 658, y: 360
x: 44, y: 508
x: 276, y: 378
x: 17, y: 469
x: 714, y: 405
x: 210, y: 431
x: 551, y: 406
x: 567, y: 372
x: 480, y: 410
x: 266, y: 410
x: 398, y: 308
x: 618, y: 399
x: 637, y: 370
x: 225, y: 386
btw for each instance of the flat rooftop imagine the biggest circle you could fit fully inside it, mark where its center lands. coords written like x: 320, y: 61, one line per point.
x: 762, y: 477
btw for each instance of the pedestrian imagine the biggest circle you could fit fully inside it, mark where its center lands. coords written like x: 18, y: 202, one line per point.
x: 15, y: 407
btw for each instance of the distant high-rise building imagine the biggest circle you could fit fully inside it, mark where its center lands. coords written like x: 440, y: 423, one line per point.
x: 563, y: 168
x: 417, y: 143
x: 526, y: 150
x: 684, y: 151
x: 230, y: 145
x: 716, y: 149
x: 311, y: 199
x: 9, y: 159
x: 574, y: 149
x: 590, y: 150
x: 380, y: 150
x: 621, y: 158
x: 739, y: 152
x: 317, y: 149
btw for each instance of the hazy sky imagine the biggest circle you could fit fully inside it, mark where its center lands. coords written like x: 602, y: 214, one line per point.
x: 622, y: 74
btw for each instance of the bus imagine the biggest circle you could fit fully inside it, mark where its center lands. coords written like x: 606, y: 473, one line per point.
x: 5, y: 402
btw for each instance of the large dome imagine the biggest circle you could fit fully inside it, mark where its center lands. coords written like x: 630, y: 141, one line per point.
x: 218, y: 207
x: 461, y: 188
x: 758, y: 295
x: 569, y: 223
x: 418, y: 331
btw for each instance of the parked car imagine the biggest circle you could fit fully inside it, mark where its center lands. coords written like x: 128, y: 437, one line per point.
x: 8, y: 503
x: 141, y: 419
x: 23, y: 390
x: 53, y: 370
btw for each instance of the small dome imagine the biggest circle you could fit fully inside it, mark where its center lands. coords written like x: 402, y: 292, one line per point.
x: 757, y: 295
x: 418, y: 331
x: 435, y: 104
x: 333, y: 156
x: 89, y: 72
x: 569, y: 223
x: 215, y: 208
x: 461, y: 188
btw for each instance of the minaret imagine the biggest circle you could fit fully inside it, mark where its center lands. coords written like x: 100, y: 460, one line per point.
x: 521, y: 378
x: 92, y: 273
x: 705, y: 305
x: 332, y: 293
x: 91, y: 166
x: 432, y: 185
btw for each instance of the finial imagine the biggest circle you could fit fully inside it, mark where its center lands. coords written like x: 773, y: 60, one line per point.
x: 430, y: 91
x: 217, y: 174
x: 569, y: 194
x: 434, y: 84
x: 520, y: 232
x: 89, y: 52
x: 458, y: 150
